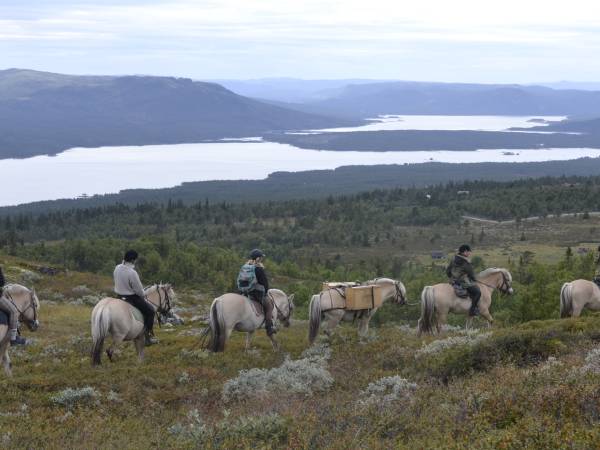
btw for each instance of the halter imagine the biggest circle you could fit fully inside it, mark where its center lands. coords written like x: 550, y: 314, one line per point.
x: 399, y: 296
x: 32, y: 305
x: 160, y: 301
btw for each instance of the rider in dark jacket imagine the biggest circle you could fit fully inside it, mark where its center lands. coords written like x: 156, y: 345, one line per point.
x: 259, y: 293
x: 460, y: 271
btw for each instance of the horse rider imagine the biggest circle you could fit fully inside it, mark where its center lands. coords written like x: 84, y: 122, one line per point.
x: 460, y: 271
x: 253, y: 282
x: 12, y: 313
x: 597, y: 273
x: 128, y: 287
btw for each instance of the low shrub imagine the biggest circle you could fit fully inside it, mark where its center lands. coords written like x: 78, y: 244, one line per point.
x: 294, y: 377
x: 72, y: 397
x: 387, y: 390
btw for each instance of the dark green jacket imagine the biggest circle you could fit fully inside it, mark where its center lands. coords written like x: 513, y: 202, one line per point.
x: 461, y: 271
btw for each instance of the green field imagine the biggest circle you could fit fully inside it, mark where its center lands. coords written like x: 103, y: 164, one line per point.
x: 502, y: 391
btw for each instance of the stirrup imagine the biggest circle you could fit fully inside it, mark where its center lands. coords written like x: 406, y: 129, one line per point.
x: 18, y: 341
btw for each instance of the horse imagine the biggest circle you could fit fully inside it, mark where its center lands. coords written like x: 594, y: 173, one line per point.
x: 440, y: 299
x: 577, y: 295
x: 235, y: 312
x: 115, y: 317
x: 320, y: 306
x: 27, y: 304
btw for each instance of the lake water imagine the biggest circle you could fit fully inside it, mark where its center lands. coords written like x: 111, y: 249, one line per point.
x: 111, y: 169
x: 416, y: 122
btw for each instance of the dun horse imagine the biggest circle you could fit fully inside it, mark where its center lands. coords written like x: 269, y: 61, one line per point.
x: 440, y: 299
x: 115, y: 317
x: 28, y: 305
x: 577, y: 295
x: 235, y: 312
x: 320, y: 307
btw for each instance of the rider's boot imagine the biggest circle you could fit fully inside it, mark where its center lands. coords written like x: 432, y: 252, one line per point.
x: 473, y: 310
x: 15, y: 339
x: 270, y: 328
x: 150, y: 339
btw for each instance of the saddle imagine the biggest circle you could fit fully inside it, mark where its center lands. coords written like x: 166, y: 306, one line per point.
x: 459, y: 290
x: 256, y: 305
x: 3, y: 318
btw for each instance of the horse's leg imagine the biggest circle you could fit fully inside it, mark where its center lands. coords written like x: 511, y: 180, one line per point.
x: 577, y: 309
x: 487, y: 316
x: 110, y: 351
x: 363, y: 326
x: 140, y: 342
x: 442, y: 318
x: 249, y: 336
x: 6, y: 361
x: 274, y: 343
x: 333, y: 319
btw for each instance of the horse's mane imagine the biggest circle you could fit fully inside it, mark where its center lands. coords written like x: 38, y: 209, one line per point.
x: 493, y: 270
x: 15, y: 288
x: 374, y: 281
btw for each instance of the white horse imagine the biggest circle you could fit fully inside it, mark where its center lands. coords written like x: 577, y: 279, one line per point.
x: 115, y: 317
x: 235, y: 312
x: 577, y: 295
x: 320, y: 306
x: 440, y: 299
x: 28, y: 305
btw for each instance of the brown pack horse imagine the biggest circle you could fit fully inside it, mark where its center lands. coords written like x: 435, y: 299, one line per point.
x: 319, y: 309
x: 28, y: 306
x: 117, y: 318
x: 577, y: 295
x: 440, y: 299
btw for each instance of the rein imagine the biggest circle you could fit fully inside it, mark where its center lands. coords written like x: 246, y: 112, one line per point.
x: 503, y: 288
x: 160, y: 309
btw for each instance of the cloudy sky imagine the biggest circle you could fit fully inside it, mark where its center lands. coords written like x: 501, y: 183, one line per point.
x: 459, y: 40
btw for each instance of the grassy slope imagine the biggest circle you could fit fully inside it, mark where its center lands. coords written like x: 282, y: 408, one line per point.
x: 465, y: 397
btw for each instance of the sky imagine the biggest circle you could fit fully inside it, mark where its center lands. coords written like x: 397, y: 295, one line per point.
x: 454, y: 40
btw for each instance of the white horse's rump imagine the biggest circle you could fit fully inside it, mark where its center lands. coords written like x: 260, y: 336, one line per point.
x: 577, y: 296
x: 234, y: 312
x: 115, y: 317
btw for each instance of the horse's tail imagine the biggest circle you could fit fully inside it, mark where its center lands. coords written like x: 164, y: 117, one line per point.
x: 566, y: 300
x: 217, y: 327
x: 314, y: 318
x: 427, y: 319
x: 100, y: 329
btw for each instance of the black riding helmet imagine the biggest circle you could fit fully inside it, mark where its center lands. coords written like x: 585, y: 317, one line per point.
x: 256, y: 253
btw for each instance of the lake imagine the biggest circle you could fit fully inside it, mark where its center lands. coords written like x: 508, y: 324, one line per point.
x: 111, y: 169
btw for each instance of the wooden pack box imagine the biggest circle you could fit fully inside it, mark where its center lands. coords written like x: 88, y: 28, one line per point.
x: 363, y: 297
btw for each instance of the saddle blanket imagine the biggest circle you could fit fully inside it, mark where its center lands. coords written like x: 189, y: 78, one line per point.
x: 136, y: 313
x: 460, y: 291
x: 257, y: 307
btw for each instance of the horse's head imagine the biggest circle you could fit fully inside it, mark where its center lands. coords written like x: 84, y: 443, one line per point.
x: 284, y: 305
x: 500, y: 279
x: 26, y: 302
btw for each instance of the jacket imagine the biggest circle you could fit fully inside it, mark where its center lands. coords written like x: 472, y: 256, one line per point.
x: 460, y: 271
x: 127, y: 280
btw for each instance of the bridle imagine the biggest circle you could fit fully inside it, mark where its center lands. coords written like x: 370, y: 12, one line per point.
x: 279, y: 313
x: 31, y: 305
x: 166, y: 309
x: 504, y: 288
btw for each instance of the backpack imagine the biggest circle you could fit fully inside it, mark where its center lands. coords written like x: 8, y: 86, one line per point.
x: 246, y: 280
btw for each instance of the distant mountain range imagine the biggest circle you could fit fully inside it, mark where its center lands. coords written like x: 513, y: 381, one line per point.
x: 45, y: 113
x: 370, y: 100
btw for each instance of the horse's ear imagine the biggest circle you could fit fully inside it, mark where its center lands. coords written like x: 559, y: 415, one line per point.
x: 291, y: 298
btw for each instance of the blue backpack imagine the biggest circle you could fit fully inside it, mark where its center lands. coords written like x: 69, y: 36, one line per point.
x: 246, y: 280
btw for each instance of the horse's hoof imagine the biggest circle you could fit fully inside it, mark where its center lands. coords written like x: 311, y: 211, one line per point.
x: 109, y: 353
